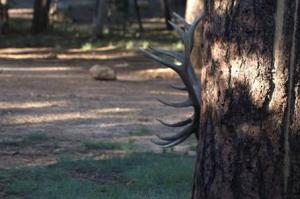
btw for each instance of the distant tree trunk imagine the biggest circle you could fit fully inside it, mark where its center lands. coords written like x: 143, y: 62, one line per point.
x: 138, y: 15
x: 194, y: 8
x: 4, y: 18
x: 101, y: 15
x: 249, y: 137
x: 40, y: 15
x: 167, y: 13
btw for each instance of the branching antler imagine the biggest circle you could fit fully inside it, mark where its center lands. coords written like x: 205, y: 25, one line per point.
x: 187, y: 74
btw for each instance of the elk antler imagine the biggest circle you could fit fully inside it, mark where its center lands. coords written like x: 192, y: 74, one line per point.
x: 187, y: 74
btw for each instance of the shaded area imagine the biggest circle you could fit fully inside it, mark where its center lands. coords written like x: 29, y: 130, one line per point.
x: 137, y: 176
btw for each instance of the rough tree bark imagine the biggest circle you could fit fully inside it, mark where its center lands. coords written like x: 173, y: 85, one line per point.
x: 40, y: 15
x: 249, y: 139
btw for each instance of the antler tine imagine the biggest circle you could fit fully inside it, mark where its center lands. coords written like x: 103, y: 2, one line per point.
x: 171, y: 143
x: 178, y: 124
x: 187, y: 74
x: 164, y: 62
x: 176, y: 55
x: 181, y: 19
x: 182, y: 88
x: 186, y: 131
x: 192, y: 29
x: 197, y: 21
x: 178, y: 30
x: 184, y: 104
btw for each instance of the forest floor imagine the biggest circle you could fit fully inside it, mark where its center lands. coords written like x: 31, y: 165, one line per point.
x: 51, y: 108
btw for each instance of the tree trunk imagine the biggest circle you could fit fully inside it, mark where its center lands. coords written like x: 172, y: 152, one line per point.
x: 138, y: 15
x: 167, y: 14
x: 4, y: 18
x: 101, y: 14
x: 40, y: 15
x: 194, y: 8
x: 249, y: 136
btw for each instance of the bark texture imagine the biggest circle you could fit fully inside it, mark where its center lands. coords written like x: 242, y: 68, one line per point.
x: 249, y: 138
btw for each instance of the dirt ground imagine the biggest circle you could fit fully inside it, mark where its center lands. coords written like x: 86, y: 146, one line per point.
x: 48, y: 91
x: 51, y: 92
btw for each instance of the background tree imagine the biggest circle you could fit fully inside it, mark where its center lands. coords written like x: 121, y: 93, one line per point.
x: 194, y: 8
x: 167, y: 14
x: 40, y: 15
x: 138, y: 15
x: 101, y: 14
x: 4, y: 18
x: 249, y: 137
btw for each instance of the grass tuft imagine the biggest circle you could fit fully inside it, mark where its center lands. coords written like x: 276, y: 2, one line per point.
x: 34, y: 138
x: 109, y: 145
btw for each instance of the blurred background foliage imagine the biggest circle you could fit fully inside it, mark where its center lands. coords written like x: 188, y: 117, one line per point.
x: 88, y: 24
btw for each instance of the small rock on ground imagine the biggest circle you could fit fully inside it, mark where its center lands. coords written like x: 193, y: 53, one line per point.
x: 99, y: 72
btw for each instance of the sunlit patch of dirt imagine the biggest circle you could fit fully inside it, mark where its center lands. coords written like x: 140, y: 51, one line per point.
x: 156, y: 73
x: 104, y: 53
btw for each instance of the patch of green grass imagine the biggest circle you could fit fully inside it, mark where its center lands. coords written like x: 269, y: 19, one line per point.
x: 34, y: 138
x: 87, y: 46
x: 101, y: 145
x: 109, y: 145
x: 139, y: 132
x: 137, y: 176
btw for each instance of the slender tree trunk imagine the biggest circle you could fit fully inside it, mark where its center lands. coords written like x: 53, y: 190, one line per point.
x: 167, y: 14
x: 249, y: 139
x: 4, y: 17
x: 101, y: 14
x: 40, y: 15
x: 138, y: 15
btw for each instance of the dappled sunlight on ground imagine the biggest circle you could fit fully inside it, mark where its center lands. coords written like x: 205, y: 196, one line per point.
x: 38, y: 69
x: 46, y: 88
x: 68, y: 54
x: 31, y: 104
x: 55, y: 95
x: 38, y: 118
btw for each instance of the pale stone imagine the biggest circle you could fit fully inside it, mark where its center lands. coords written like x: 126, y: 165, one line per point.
x: 99, y: 72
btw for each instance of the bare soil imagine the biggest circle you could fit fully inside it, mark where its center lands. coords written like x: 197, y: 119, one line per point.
x: 50, y: 91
